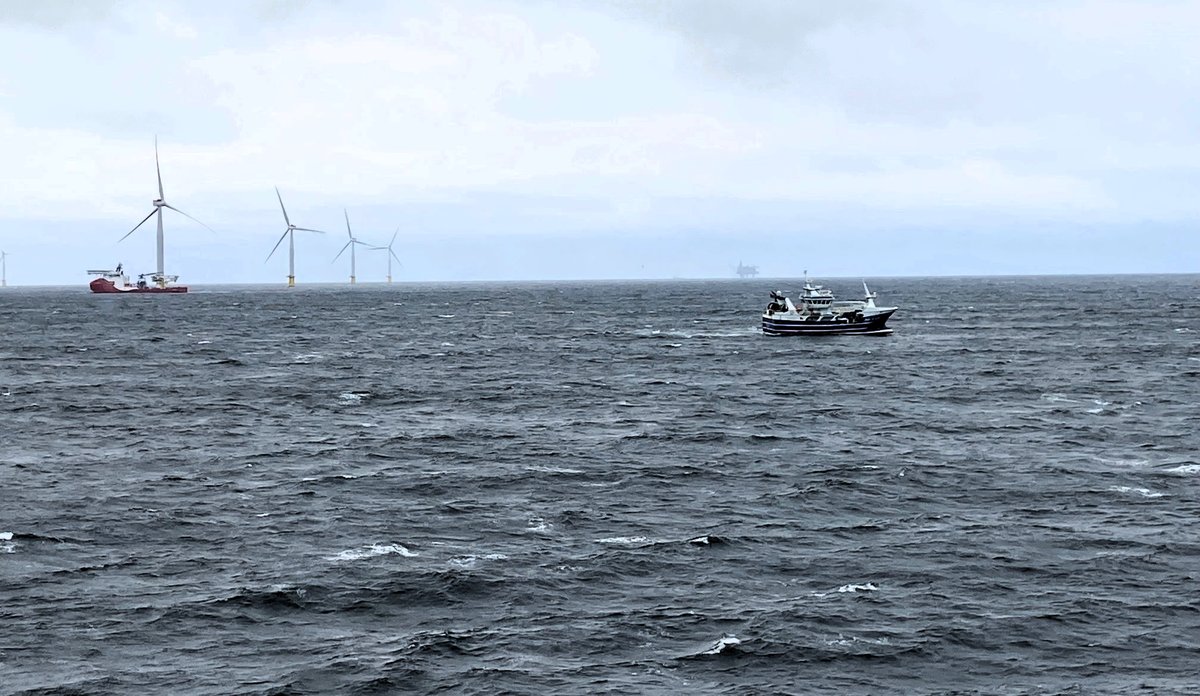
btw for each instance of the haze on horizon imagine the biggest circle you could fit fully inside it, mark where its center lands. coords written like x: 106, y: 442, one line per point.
x: 586, y: 139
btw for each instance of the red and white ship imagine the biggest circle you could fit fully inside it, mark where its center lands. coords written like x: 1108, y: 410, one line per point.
x: 117, y: 281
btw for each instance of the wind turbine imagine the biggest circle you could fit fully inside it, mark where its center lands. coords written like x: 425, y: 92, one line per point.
x: 349, y: 245
x: 160, y: 277
x: 391, y: 254
x: 289, y: 233
x: 3, y: 269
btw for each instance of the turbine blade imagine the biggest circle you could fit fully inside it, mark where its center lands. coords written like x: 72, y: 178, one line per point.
x: 285, y: 234
x: 343, y: 250
x: 394, y: 237
x: 152, y: 212
x: 189, y: 217
x: 158, y: 169
x: 308, y: 229
x: 281, y: 207
x: 348, y: 233
x: 396, y: 257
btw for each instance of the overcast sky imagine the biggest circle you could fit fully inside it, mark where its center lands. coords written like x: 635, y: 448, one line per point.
x: 603, y: 138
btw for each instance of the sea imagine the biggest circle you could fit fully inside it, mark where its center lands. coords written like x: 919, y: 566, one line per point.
x: 601, y: 488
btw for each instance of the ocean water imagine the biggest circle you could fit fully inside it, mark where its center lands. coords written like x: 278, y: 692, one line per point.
x: 590, y: 488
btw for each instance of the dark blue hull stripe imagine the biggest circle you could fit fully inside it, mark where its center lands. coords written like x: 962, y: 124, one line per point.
x: 778, y: 327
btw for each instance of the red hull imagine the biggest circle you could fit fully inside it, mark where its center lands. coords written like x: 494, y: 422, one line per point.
x: 105, y: 286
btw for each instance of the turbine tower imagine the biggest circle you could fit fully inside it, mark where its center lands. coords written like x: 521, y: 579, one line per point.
x: 160, y: 278
x: 391, y: 254
x: 349, y: 245
x: 289, y: 233
x: 3, y: 269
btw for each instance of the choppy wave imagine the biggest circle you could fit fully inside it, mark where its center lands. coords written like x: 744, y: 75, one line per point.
x: 574, y: 489
x: 372, y: 551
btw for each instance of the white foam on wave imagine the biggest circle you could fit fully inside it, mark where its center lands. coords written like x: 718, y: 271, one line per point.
x: 723, y: 643
x: 676, y: 333
x: 1131, y: 461
x: 471, y: 560
x: 8, y: 546
x: 1144, y: 492
x: 842, y: 641
x: 1102, y: 405
x: 553, y: 469
x: 6, y: 536
x: 307, y: 358
x: 1059, y: 398
x: 372, y: 551
x: 1185, y: 469
x: 851, y: 588
x: 537, y: 524
x: 350, y: 397
x: 624, y: 541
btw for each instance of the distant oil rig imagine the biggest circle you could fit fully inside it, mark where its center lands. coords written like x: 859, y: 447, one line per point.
x: 744, y: 271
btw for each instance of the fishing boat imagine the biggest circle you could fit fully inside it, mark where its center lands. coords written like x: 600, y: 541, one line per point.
x: 116, y: 280
x: 818, y: 313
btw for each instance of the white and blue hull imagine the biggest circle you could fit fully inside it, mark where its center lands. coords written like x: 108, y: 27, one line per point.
x: 790, y: 324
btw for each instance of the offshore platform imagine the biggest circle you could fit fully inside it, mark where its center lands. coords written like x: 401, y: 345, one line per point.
x: 744, y: 271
